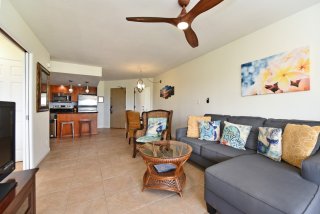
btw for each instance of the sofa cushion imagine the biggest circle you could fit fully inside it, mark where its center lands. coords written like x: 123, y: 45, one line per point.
x: 195, y: 143
x: 235, y: 135
x: 218, y: 152
x: 270, y: 142
x: 254, y: 182
x: 209, y: 130
x: 281, y: 123
x: 255, y: 122
x: 298, y: 143
x: 193, y: 125
x: 220, y: 117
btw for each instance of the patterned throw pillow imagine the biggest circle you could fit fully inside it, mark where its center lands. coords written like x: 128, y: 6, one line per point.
x: 193, y: 125
x: 156, y: 126
x: 209, y: 130
x: 298, y: 142
x: 235, y: 135
x: 269, y: 142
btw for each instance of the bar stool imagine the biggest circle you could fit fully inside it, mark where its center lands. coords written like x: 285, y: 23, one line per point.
x: 83, y: 121
x: 67, y: 123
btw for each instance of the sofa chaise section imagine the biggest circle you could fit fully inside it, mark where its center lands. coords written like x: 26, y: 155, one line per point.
x: 255, y: 184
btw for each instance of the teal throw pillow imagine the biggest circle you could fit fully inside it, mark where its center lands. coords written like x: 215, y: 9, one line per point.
x: 269, y: 142
x: 235, y: 135
x: 156, y: 126
x: 209, y: 130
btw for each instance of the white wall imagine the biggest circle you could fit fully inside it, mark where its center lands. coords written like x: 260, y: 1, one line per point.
x: 129, y: 85
x: 14, y: 25
x: 217, y: 75
x: 72, y: 68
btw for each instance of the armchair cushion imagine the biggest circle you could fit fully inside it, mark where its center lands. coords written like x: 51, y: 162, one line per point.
x: 156, y: 126
x: 148, y: 139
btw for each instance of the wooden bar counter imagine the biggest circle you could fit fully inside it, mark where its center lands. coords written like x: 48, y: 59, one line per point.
x: 75, y: 117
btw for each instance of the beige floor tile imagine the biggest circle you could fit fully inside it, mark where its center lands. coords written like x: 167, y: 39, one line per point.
x: 58, y: 164
x: 98, y: 175
x: 118, y: 184
x: 45, y: 187
x: 54, y: 203
x: 85, y: 176
x: 85, y: 193
x: 87, y: 162
x: 52, y: 174
x: 96, y: 206
x: 144, y: 210
x: 125, y: 202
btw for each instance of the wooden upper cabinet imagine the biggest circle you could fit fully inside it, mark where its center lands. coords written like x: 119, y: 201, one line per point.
x: 76, y: 91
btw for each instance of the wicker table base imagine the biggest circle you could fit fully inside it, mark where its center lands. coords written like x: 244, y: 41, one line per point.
x: 171, y: 181
x: 165, y: 152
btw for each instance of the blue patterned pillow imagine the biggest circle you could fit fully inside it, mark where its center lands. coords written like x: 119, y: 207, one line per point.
x: 269, y: 142
x: 156, y: 126
x: 235, y: 135
x: 209, y: 130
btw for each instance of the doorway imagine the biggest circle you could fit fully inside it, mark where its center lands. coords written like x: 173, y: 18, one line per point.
x: 117, y: 108
x: 14, y: 88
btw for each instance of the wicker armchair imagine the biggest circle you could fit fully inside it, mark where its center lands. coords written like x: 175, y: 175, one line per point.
x: 132, y: 123
x: 166, y: 134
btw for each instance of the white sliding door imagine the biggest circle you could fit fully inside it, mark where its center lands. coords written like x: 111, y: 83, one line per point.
x: 12, y: 87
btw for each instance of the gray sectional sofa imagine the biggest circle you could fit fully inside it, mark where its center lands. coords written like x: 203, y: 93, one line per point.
x: 242, y: 181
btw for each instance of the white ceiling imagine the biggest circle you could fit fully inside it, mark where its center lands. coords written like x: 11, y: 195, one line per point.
x: 96, y: 32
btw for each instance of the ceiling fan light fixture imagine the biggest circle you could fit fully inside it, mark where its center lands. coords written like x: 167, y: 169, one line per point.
x: 183, y: 25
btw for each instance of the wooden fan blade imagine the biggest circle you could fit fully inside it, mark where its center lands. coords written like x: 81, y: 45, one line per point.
x: 202, y: 6
x: 191, y: 37
x: 173, y: 21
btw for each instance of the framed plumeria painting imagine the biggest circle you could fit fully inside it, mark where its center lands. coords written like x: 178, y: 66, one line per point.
x: 281, y: 73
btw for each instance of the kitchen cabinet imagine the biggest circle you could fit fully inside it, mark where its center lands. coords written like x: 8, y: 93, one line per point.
x: 74, y: 95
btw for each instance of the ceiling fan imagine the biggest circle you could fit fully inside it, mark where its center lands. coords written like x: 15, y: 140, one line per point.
x: 184, y: 20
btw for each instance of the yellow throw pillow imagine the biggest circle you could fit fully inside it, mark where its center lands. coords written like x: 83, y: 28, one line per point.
x: 193, y: 125
x: 298, y: 142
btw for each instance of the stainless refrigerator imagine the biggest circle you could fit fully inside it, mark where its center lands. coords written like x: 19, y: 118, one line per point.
x: 87, y: 103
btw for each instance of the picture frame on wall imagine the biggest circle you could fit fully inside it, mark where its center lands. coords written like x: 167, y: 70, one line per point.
x: 280, y: 73
x: 100, y: 99
x: 167, y: 91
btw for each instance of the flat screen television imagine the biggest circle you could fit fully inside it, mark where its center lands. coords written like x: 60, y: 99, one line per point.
x: 7, y: 138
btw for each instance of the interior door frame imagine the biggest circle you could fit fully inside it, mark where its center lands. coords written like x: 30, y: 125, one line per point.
x: 27, y: 79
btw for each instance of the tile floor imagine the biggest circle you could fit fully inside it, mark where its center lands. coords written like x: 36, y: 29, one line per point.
x: 98, y: 175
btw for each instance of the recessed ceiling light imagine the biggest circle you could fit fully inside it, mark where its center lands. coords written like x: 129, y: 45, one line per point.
x: 79, y: 84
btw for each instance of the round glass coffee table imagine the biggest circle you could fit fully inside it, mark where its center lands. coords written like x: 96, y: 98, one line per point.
x: 164, y: 160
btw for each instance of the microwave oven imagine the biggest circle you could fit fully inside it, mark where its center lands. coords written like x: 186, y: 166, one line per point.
x: 61, y: 97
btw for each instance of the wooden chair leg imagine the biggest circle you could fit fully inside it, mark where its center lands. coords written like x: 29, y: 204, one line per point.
x: 134, y: 148
x: 129, y: 141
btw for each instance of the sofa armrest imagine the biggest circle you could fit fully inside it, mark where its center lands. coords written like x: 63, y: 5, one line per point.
x: 181, y: 132
x: 311, y: 168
